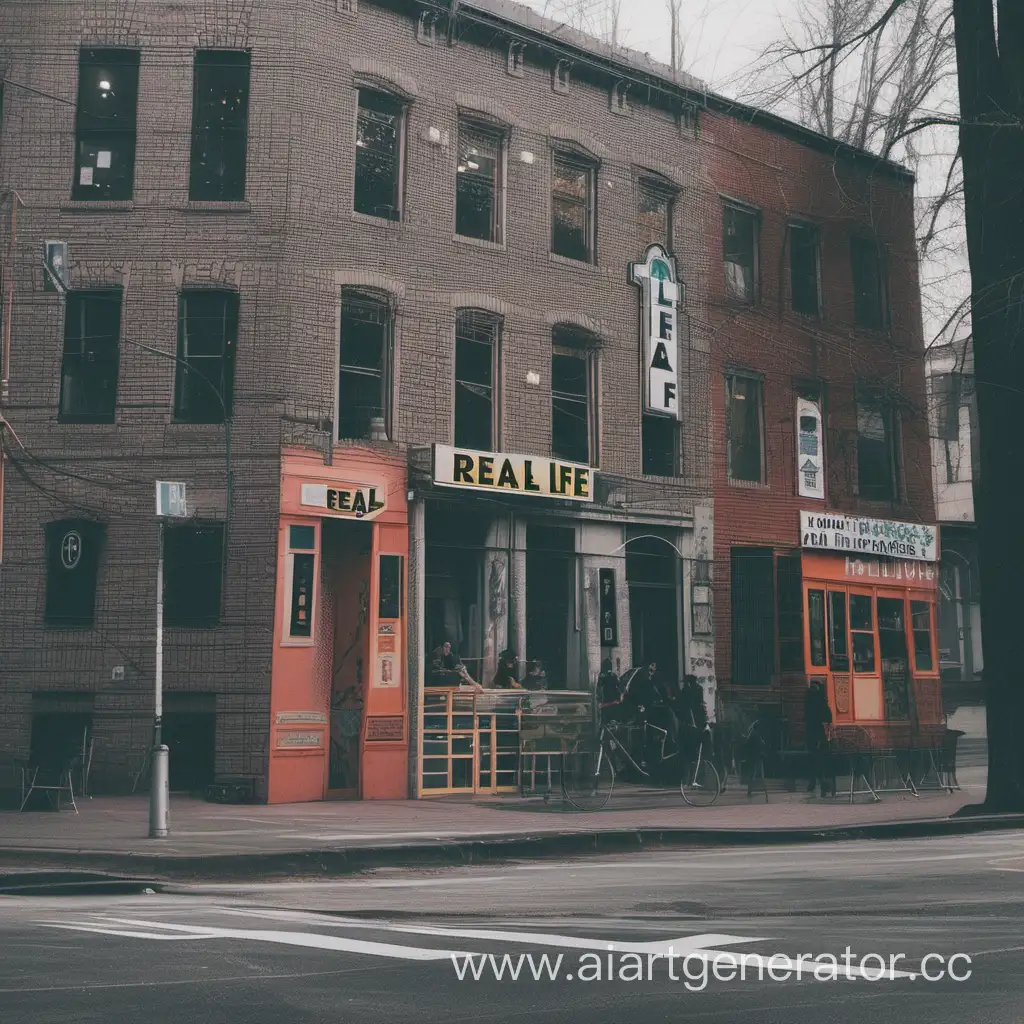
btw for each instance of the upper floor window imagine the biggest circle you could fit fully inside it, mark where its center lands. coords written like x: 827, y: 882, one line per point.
x: 380, y: 133
x: 573, y: 398
x: 744, y: 414
x: 477, y: 337
x: 108, y: 89
x: 220, y: 125
x: 72, y: 569
x: 88, y: 371
x: 877, y: 448
x: 869, y: 292
x: 740, y: 245
x: 654, y: 214
x: 573, y: 202
x: 193, y: 569
x: 660, y: 445
x: 207, y: 336
x: 365, y: 362
x: 478, y: 182
x: 951, y: 392
x: 804, y: 278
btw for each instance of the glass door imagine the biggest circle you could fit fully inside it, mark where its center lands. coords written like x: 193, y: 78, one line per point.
x: 867, y: 683
x: 892, y: 647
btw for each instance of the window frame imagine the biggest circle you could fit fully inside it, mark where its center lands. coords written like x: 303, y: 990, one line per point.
x: 495, y: 322
x: 735, y: 207
x: 574, y: 343
x: 591, y: 167
x: 661, y: 189
x: 498, y: 135
x: 815, y: 232
x: 89, y: 132
x: 758, y: 379
x: 871, y: 400
x: 383, y: 301
x: 74, y: 298
x: 863, y: 243
x: 212, y: 620
x: 201, y: 192
x: 295, y: 550
x: 93, y: 534
x: 402, y: 106
x: 231, y: 321
x: 670, y: 423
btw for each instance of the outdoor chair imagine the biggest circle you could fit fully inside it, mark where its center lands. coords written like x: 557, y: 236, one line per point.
x: 53, y: 779
x: 851, y: 747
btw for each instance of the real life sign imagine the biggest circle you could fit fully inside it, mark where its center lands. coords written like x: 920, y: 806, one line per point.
x: 661, y: 294
x: 347, y: 501
x: 516, y: 474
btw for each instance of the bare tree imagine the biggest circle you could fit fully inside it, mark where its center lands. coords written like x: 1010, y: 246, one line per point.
x: 893, y: 94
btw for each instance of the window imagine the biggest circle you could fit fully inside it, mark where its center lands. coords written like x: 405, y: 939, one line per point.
x: 804, y: 283
x: 302, y: 556
x: 88, y: 371
x: 744, y: 427
x: 660, y: 444
x: 740, y: 253
x: 877, y: 462
x: 389, y: 601
x: 892, y: 646
x: 869, y: 299
x: 380, y: 132
x: 476, y: 362
x: 364, y: 385
x: 816, y: 627
x: 654, y: 215
x: 753, y: 622
x: 573, y: 419
x: 572, y: 208
x: 220, y: 125
x: 921, y: 624
x: 207, y: 335
x: 72, y: 567
x: 949, y: 391
x: 478, y: 183
x: 789, y: 587
x: 838, y: 649
x: 193, y: 557
x: 108, y: 88
x: 862, y: 632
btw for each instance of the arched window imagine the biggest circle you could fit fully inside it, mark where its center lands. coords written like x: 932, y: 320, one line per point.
x: 365, y: 364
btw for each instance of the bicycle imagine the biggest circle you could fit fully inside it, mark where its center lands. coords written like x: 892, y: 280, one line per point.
x: 588, y: 776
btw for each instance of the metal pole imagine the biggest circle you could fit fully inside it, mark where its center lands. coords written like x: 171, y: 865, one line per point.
x: 159, y: 795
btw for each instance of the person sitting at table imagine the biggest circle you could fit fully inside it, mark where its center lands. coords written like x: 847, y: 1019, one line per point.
x: 446, y: 669
x: 505, y: 676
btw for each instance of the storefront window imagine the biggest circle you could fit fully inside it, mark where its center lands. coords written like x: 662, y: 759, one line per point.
x: 838, y: 649
x: 862, y: 631
x: 892, y: 643
x: 921, y: 622
x: 816, y: 622
x: 892, y: 637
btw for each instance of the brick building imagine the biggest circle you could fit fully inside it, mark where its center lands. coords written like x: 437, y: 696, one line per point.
x: 474, y: 208
x: 428, y: 314
x: 822, y: 470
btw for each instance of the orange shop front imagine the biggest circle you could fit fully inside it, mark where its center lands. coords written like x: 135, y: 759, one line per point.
x: 870, y: 636
x: 339, y: 701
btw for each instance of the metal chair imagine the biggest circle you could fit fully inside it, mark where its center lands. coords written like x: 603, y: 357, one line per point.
x: 853, y: 744
x: 52, y: 779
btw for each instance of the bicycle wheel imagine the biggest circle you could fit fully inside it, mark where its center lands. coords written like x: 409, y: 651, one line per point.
x: 587, y: 779
x: 700, y: 787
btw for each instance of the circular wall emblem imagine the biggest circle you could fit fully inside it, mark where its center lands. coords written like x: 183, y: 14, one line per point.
x: 71, y: 549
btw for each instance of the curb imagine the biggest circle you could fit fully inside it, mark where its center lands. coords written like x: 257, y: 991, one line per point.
x: 133, y: 869
x: 70, y: 883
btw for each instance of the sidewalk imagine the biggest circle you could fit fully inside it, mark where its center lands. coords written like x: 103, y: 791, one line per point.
x: 216, y: 841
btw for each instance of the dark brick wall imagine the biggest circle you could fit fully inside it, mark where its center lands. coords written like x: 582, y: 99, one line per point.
x: 785, y: 180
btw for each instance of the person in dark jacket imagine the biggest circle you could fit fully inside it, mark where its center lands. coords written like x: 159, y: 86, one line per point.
x: 693, y: 717
x: 817, y: 720
x: 508, y: 669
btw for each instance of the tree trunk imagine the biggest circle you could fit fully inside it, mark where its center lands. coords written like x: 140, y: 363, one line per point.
x: 991, y: 74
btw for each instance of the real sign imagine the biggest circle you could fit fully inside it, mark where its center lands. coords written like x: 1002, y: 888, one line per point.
x: 515, y: 474
x: 831, y: 531
x: 346, y: 501
x: 661, y: 294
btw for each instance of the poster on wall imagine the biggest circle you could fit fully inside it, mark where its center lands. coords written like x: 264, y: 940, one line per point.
x: 387, y: 673
x: 810, y: 450
x: 609, y: 612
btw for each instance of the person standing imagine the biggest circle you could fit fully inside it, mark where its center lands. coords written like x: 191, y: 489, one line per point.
x: 817, y: 720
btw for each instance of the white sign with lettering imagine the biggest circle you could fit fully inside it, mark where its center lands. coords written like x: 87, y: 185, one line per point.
x: 832, y: 531
x: 530, y: 475
x: 661, y: 297
x: 810, y: 451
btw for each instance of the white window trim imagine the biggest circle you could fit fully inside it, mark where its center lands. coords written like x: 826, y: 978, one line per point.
x: 287, y: 640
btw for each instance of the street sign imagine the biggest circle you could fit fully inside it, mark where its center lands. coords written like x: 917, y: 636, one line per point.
x: 170, y: 500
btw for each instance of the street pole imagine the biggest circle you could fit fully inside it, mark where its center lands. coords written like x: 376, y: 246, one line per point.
x: 159, y: 796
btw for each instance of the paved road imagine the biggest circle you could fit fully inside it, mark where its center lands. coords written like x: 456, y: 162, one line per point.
x: 379, y: 948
